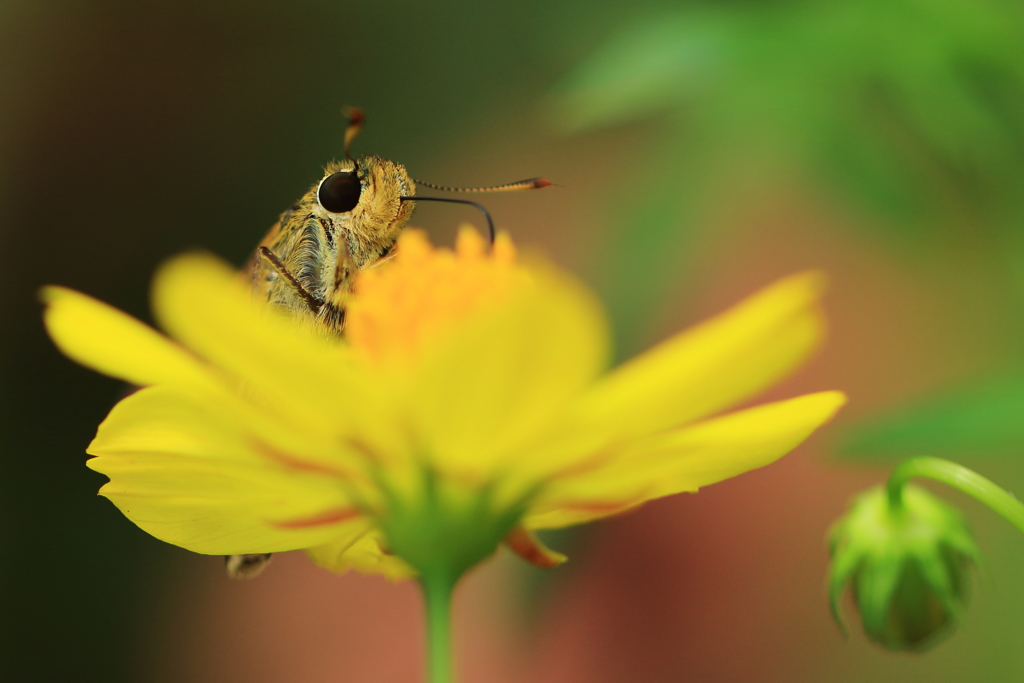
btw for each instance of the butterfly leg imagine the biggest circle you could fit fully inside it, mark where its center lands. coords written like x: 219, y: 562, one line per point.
x: 249, y: 566
x: 315, y: 303
x: 245, y: 566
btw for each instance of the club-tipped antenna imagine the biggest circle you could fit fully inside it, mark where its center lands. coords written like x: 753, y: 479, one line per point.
x: 355, y: 124
x: 480, y: 207
x: 528, y: 184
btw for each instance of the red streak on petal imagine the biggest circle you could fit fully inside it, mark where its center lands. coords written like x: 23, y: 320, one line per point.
x: 291, y: 461
x: 593, y: 462
x: 364, y: 450
x: 329, y: 517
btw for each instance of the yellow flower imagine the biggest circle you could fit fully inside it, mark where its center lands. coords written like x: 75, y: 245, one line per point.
x: 468, y: 404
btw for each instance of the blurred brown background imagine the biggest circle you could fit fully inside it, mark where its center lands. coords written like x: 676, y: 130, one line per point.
x: 704, y: 148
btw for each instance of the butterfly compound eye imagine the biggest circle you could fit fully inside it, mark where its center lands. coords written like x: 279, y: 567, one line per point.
x: 339, y: 192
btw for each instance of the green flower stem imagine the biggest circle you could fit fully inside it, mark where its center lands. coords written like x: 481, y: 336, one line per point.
x: 438, y: 588
x: 959, y: 477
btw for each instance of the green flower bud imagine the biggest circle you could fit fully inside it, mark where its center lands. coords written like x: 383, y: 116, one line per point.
x: 907, y: 563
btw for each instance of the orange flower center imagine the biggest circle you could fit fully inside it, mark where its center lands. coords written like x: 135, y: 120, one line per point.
x: 424, y: 291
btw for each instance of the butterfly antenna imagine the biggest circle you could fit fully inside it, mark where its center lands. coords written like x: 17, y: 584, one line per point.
x: 355, y: 124
x: 529, y: 184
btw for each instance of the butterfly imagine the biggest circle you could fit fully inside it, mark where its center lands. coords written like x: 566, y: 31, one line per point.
x: 348, y: 221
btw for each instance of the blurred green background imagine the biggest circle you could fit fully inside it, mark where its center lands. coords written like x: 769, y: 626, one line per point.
x: 703, y: 149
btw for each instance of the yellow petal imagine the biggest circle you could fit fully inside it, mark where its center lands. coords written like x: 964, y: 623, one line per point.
x: 201, y: 302
x: 498, y: 381
x: 362, y: 553
x: 684, y: 459
x: 188, y: 474
x: 716, y: 364
x: 109, y: 341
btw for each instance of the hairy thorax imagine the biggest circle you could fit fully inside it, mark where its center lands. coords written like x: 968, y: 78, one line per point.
x: 324, y: 250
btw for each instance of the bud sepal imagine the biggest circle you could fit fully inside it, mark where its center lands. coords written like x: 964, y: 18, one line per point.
x: 907, y: 559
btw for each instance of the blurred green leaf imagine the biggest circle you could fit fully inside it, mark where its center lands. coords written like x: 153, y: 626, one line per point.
x: 650, y: 257
x: 913, y: 109
x: 650, y: 65
x: 981, y: 420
